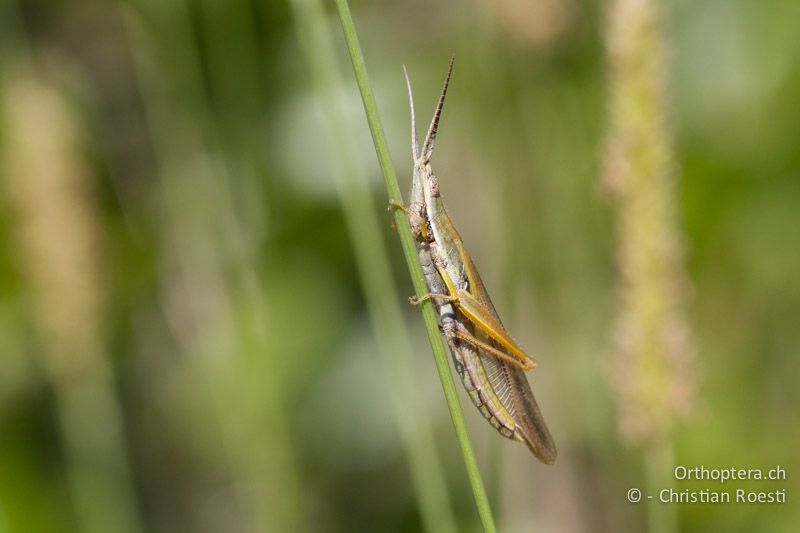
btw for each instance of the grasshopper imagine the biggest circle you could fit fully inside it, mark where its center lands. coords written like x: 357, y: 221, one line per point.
x: 465, y: 354
x: 490, y: 363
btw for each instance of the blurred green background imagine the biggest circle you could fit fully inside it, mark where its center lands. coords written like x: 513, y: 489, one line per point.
x: 185, y: 343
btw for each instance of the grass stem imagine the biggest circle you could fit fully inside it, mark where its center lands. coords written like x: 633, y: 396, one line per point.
x: 383, y: 301
x: 417, y: 278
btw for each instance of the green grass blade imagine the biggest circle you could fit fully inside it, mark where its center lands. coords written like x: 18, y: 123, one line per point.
x: 409, y: 249
x: 383, y: 301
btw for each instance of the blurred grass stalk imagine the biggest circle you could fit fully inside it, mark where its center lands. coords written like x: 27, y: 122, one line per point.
x: 212, y: 294
x: 375, y: 273
x: 415, y: 269
x: 653, y: 365
x: 58, y: 238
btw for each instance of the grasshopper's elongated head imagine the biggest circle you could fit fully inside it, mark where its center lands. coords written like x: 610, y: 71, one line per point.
x: 444, y: 233
x: 423, y: 177
x: 430, y: 183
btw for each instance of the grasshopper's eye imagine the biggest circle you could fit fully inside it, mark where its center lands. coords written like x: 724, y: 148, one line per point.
x: 434, y: 185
